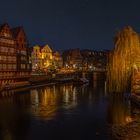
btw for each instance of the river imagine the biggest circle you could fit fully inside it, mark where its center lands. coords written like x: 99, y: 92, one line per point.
x: 65, y: 111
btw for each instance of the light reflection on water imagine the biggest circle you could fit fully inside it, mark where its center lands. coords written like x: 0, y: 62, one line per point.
x: 119, y: 110
x: 84, y: 110
x: 46, y: 101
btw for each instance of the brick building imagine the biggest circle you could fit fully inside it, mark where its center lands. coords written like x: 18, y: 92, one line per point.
x: 85, y: 59
x: 93, y: 59
x: 15, y: 66
x: 72, y: 58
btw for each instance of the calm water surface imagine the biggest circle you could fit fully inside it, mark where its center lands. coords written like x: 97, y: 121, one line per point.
x: 67, y: 111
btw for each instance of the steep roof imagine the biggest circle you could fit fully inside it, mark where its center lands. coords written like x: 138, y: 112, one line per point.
x: 7, y: 27
x: 56, y: 53
x: 2, y: 25
x: 15, y: 31
x: 47, y: 47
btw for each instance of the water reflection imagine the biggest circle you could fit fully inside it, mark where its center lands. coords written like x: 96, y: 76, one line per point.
x: 69, y: 96
x: 14, y: 125
x: 119, y: 110
x: 58, y: 110
x: 44, y: 103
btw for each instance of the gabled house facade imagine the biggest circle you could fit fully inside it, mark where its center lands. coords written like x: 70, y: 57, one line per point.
x: 15, y: 66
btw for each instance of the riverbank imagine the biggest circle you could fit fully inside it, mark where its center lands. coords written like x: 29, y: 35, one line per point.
x: 21, y: 89
x: 135, y: 99
x: 130, y: 131
x: 37, y: 84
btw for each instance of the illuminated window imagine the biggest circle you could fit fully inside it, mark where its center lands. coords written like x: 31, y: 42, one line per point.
x: 23, y: 66
x: 4, y: 66
x: 23, y: 52
x: 14, y: 67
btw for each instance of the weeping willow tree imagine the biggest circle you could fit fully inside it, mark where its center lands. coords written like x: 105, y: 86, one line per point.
x: 123, y: 61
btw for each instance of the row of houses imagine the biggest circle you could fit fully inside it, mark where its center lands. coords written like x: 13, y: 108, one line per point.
x: 85, y: 59
x: 18, y: 60
x: 43, y: 58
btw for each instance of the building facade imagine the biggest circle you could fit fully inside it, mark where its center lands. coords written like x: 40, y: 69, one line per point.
x: 94, y: 60
x: 36, y: 58
x: 72, y: 58
x: 14, y: 56
x: 47, y: 56
x: 23, y: 52
x: 43, y: 58
x: 57, y: 59
x: 85, y: 59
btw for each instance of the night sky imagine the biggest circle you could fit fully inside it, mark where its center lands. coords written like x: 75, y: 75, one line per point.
x: 85, y: 24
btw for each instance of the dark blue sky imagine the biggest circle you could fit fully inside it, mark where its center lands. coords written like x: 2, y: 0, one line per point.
x: 85, y: 24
